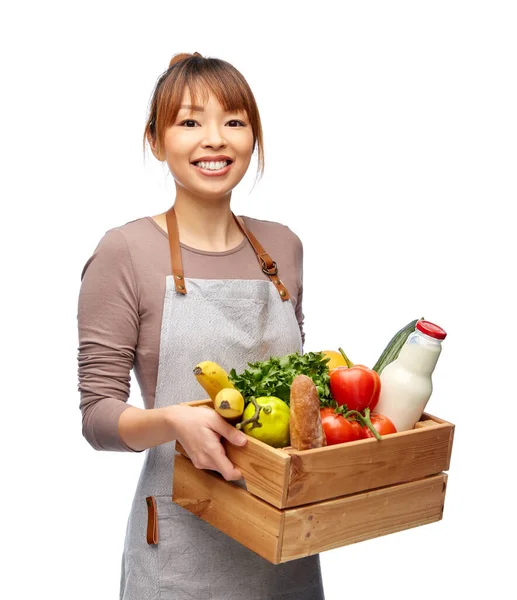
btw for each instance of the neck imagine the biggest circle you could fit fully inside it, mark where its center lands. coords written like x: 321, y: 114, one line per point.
x: 207, y: 225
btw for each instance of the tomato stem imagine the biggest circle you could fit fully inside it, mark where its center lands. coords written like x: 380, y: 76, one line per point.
x: 365, y: 420
x: 349, y: 363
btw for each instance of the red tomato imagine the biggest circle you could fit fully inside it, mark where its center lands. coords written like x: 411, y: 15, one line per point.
x: 381, y: 423
x: 338, y: 429
x: 358, y: 387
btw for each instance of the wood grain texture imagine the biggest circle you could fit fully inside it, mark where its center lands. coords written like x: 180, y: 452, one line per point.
x: 264, y: 469
x: 322, y: 498
x: 288, y: 477
x: 334, y: 471
x: 284, y: 535
x: 234, y: 511
x: 335, y: 523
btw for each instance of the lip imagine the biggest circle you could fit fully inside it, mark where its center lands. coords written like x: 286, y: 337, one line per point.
x: 212, y: 158
x: 208, y: 173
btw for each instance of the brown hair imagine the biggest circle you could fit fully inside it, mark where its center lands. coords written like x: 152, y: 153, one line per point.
x: 199, y: 75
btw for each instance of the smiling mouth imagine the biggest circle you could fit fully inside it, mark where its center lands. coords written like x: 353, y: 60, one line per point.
x: 212, y: 165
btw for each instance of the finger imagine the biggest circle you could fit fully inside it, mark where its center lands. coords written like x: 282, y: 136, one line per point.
x: 223, y: 464
x: 233, y: 435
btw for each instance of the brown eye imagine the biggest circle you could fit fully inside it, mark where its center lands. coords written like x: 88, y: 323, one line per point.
x: 187, y: 121
x: 239, y: 123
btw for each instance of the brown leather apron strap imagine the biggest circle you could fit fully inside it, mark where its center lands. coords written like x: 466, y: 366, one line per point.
x: 175, y: 250
x: 267, y: 264
x: 152, y: 520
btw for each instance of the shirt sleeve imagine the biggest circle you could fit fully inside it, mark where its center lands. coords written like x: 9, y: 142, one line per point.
x: 108, y: 325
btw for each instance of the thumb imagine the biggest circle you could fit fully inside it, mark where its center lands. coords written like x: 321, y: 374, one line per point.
x: 233, y: 435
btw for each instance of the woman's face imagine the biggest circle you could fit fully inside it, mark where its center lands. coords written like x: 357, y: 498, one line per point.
x: 210, y: 134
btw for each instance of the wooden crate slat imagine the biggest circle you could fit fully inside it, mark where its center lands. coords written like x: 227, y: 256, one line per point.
x: 335, y: 523
x: 264, y: 469
x: 247, y: 519
x: 334, y: 471
x: 302, y: 503
x: 451, y: 440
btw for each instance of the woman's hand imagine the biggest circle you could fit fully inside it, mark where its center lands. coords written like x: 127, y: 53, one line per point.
x: 199, y: 429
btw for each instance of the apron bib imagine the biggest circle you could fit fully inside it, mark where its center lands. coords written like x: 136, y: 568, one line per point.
x: 231, y: 322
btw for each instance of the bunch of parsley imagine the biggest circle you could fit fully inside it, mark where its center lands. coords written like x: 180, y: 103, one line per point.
x: 274, y: 377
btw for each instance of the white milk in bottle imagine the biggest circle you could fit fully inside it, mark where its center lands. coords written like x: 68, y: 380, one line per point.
x: 406, y: 383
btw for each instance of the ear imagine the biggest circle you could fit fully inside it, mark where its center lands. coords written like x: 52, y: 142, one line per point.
x: 154, y: 147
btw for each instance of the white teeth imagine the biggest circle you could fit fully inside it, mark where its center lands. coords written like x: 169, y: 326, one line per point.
x: 212, y: 166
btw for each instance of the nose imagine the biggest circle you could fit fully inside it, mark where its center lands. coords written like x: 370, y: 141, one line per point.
x: 214, y: 135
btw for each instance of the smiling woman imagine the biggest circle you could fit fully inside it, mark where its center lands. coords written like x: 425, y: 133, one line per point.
x: 161, y: 294
x: 199, y: 77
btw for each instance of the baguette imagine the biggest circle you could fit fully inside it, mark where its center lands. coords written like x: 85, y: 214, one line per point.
x: 305, y: 426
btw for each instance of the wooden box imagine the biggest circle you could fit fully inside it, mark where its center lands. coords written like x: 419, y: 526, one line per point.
x: 296, y: 503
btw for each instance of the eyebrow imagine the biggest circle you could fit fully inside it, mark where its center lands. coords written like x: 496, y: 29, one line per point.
x: 195, y: 107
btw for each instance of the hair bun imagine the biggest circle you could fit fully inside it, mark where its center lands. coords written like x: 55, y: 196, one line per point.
x: 182, y: 56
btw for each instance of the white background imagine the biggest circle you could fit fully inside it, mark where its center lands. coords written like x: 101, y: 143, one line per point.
x: 390, y: 138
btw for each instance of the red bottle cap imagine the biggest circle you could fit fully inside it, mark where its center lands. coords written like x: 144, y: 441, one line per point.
x: 431, y: 330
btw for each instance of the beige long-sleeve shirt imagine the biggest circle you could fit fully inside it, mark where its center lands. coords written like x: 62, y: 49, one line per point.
x: 121, y: 302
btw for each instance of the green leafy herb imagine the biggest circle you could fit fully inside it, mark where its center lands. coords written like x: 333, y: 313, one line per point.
x: 274, y: 377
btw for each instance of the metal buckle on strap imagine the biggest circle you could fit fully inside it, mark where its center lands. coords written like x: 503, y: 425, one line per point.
x: 272, y: 271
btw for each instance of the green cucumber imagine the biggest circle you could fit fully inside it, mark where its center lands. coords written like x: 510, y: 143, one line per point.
x: 392, y: 350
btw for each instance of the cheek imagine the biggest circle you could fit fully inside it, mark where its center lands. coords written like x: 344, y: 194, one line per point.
x: 176, y: 167
x: 241, y: 140
x: 179, y: 169
x: 243, y: 163
x: 245, y: 150
x: 249, y: 143
x: 177, y: 157
x: 177, y: 145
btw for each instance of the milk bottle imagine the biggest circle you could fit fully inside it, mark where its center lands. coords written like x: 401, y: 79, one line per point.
x: 406, y: 383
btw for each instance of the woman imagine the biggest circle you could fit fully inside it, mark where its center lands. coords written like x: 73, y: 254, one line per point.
x: 161, y: 294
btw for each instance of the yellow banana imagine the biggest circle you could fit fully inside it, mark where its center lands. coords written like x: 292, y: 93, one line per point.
x: 229, y: 403
x: 212, y: 378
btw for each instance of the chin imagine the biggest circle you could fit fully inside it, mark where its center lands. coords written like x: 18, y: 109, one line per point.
x: 214, y: 189
x: 209, y: 188
x: 215, y: 194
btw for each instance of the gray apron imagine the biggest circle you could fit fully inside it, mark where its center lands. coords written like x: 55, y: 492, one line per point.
x: 231, y: 322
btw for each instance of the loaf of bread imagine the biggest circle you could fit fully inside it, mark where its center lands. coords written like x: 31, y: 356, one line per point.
x: 305, y: 426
